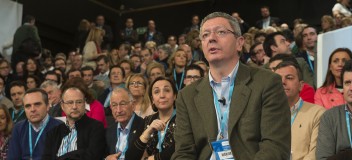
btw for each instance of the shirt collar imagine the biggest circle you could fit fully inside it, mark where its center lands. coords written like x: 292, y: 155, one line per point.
x: 295, y: 107
x: 129, y: 124
x: 87, y: 106
x: 231, y: 76
x: 41, y: 124
x: 106, y: 73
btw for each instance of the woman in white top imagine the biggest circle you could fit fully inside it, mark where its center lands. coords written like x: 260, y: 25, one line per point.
x: 342, y: 7
x: 92, y: 49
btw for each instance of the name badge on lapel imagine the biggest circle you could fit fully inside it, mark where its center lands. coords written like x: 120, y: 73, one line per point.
x: 222, y: 150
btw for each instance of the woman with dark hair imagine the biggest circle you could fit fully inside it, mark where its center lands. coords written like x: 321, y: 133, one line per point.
x: 33, y: 81
x: 94, y: 109
x: 6, y: 125
x: 330, y: 93
x: 32, y: 67
x: 157, y: 140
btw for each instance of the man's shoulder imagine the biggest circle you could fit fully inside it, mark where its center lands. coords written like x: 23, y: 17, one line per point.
x: 313, y: 109
x: 334, y: 112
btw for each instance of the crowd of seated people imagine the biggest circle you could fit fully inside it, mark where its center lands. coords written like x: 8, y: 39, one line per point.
x: 118, y: 102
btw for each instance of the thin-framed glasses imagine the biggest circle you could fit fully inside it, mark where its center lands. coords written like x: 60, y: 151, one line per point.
x: 220, y: 32
x: 136, y: 83
x: 70, y: 103
x: 122, y: 104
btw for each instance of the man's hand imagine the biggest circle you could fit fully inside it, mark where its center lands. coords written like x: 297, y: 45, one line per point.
x: 113, y: 156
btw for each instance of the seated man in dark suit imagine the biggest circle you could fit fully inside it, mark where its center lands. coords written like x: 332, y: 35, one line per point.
x: 54, y: 95
x: 267, y: 20
x: 127, y: 127
x: 80, y: 137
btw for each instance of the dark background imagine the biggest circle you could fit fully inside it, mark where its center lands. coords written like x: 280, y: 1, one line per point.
x: 57, y: 21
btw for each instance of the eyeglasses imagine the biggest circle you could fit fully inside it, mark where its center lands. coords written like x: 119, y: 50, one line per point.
x: 259, y: 51
x: 122, y: 104
x: 193, y: 77
x: 5, y: 67
x: 136, y: 83
x: 77, y: 102
x: 116, y: 73
x: 220, y: 32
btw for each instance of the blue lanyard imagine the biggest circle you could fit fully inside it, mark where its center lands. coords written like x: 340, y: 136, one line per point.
x: 30, y: 135
x: 162, y: 137
x: 178, y: 87
x: 348, y: 127
x: 128, y: 134
x: 310, y: 63
x: 19, y: 115
x: 295, y: 115
x: 223, y: 121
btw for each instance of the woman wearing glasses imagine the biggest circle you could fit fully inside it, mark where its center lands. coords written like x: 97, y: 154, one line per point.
x: 157, y: 140
x: 138, y: 86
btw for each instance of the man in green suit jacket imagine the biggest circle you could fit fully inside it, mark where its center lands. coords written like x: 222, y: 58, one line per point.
x: 257, y: 115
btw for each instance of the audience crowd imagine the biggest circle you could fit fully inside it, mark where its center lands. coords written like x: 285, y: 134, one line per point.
x: 118, y: 102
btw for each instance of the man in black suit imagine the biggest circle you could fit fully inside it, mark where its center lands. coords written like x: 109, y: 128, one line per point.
x: 108, y: 37
x: 128, y: 34
x: 54, y: 95
x: 127, y: 127
x: 267, y: 20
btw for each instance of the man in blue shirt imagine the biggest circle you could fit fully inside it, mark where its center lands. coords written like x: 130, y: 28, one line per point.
x: 28, y: 136
x: 128, y: 126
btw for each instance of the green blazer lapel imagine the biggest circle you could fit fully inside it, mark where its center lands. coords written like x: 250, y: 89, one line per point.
x: 205, y: 105
x: 240, y: 96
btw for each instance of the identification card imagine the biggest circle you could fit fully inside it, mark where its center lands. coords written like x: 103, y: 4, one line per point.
x: 222, y: 149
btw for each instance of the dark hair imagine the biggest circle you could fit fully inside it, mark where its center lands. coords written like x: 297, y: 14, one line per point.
x: 55, y: 74
x: 330, y: 79
x: 290, y: 63
x: 63, y: 75
x: 259, y: 34
x: 18, y: 84
x: 28, y: 18
x: 4, y: 61
x: 194, y: 67
x: 73, y: 70
x: 117, y: 66
x: 36, y: 79
x: 251, y: 50
x: 264, y: 6
x: 173, y: 86
x: 102, y: 57
x: 346, y: 68
x: 87, y: 68
x: 288, y: 34
x: 283, y: 57
x: 77, y: 82
x: 269, y: 41
x: 36, y: 72
x: 43, y: 93
x: 127, y: 47
x: 309, y: 26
